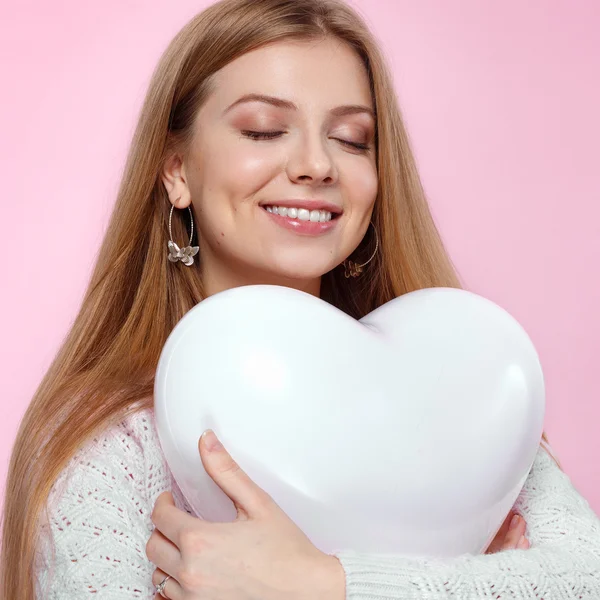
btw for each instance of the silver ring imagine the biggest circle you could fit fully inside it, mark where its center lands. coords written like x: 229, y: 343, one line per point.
x: 158, y: 588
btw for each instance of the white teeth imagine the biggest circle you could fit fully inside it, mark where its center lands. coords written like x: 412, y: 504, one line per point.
x: 302, y: 214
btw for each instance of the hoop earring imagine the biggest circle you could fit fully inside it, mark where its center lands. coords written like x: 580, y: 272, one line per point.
x: 185, y: 255
x: 354, y: 270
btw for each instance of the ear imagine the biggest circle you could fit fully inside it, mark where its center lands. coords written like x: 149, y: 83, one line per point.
x: 175, y: 182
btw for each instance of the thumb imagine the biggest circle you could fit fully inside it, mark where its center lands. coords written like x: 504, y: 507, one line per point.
x: 248, y: 497
x: 165, y: 498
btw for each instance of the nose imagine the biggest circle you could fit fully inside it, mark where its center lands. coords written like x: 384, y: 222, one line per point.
x: 311, y: 162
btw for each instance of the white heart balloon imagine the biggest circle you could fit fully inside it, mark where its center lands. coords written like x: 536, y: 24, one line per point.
x: 410, y: 431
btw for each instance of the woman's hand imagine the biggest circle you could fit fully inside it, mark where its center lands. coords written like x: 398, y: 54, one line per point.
x: 511, y: 535
x: 262, y: 554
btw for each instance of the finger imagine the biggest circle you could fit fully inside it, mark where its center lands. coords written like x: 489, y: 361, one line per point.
x: 162, y: 553
x: 172, y: 589
x: 507, y: 522
x: 515, y: 531
x: 523, y: 543
x: 496, y: 544
x: 170, y: 520
x: 227, y: 474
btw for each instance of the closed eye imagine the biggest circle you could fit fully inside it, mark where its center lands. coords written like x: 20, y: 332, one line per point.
x: 269, y: 135
x: 260, y: 135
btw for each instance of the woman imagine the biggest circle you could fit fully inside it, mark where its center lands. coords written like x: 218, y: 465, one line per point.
x: 271, y: 139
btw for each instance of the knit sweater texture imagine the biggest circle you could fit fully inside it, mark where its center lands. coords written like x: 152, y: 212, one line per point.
x: 97, y: 521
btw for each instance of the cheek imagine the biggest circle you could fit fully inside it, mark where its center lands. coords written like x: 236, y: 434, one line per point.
x: 362, y: 184
x: 229, y: 180
x: 239, y: 171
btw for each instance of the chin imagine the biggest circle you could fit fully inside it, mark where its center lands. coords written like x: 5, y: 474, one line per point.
x: 298, y: 274
x: 298, y: 271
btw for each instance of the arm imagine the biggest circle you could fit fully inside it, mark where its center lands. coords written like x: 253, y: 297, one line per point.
x: 93, y: 541
x: 563, y: 562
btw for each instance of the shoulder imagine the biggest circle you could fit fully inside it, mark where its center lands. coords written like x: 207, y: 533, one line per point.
x: 545, y: 474
x: 546, y: 468
x: 119, y: 473
x: 124, y: 459
x: 98, y: 513
x: 552, y: 506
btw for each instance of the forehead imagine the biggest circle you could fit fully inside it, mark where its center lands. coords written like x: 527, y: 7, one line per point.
x: 320, y: 73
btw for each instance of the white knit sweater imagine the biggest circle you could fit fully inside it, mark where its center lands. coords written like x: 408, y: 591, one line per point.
x: 93, y: 543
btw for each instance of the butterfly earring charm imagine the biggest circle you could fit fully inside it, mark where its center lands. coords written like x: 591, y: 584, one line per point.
x: 352, y: 269
x: 183, y: 254
x: 186, y: 254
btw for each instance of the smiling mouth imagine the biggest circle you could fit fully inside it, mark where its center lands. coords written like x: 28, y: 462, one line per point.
x: 302, y: 214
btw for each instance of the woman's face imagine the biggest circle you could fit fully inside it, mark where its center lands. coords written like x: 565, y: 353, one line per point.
x: 281, y: 170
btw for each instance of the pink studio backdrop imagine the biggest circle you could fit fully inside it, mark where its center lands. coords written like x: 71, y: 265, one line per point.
x: 501, y: 100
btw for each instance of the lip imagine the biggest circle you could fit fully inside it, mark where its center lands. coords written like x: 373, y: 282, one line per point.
x: 308, y: 203
x: 308, y: 228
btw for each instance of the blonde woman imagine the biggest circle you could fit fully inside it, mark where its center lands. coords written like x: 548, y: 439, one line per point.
x: 273, y: 127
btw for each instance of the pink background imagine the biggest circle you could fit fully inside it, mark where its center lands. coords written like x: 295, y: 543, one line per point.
x: 502, y: 102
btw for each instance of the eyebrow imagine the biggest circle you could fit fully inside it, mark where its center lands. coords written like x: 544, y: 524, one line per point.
x: 338, y: 111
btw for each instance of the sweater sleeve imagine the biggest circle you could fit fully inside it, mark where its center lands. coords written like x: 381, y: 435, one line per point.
x: 562, y: 563
x: 93, y: 534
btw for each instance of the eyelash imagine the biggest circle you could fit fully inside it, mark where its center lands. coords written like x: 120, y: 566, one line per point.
x: 269, y: 135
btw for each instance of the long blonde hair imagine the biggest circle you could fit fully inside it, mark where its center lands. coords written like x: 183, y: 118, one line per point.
x: 136, y: 297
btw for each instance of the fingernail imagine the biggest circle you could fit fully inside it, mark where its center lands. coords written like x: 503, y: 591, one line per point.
x: 211, y: 441
x: 514, y: 522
